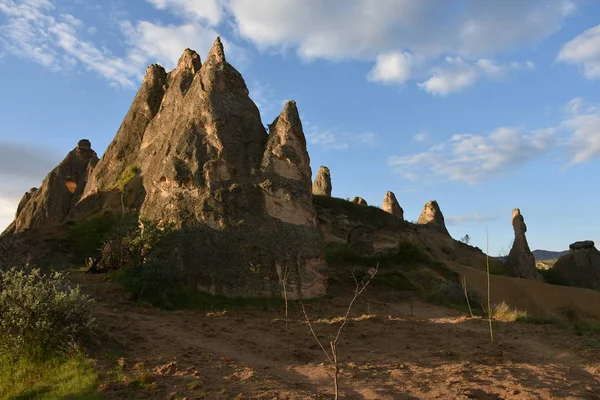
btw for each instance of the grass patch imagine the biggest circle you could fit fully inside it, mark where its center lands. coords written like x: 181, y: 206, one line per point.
x: 497, y: 267
x: 504, y: 313
x: 127, y: 175
x: 71, y: 377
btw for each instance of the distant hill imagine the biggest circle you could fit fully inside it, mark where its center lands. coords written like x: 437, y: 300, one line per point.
x: 548, y: 255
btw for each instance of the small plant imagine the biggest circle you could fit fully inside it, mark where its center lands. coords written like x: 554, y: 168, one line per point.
x: 464, y: 285
x: 504, y: 313
x: 332, y: 355
x: 126, y: 176
x: 466, y: 239
x: 40, y: 315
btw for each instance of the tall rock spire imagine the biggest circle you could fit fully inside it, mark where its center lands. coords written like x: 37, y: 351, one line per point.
x: 391, y: 205
x: 322, y: 184
x: 432, y: 217
x: 521, y: 261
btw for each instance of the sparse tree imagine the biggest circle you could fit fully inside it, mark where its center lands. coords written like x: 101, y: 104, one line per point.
x: 332, y: 355
x: 466, y: 239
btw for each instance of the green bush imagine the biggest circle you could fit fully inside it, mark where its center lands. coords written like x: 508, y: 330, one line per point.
x: 40, y: 315
x: 127, y: 175
x: 155, y: 282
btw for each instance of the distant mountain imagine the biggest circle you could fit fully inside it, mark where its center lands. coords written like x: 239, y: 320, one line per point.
x: 548, y: 255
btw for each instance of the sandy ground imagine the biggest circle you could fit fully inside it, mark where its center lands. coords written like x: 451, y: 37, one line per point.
x: 384, y: 353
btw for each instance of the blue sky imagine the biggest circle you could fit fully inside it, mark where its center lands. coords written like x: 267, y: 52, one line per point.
x: 483, y: 105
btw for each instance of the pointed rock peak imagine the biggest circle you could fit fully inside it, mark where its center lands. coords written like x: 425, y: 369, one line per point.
x: 433, y: 217
x: 518, y: 221
x: 84, y: 144
x: 189, y: 60
x: 290, y: 115
x: 391, y: 205
x: 322, y: 184
x: 155, y: 73
x: 290, y: 110
x: 217, y: 52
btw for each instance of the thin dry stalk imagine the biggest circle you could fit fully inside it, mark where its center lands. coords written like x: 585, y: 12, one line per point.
x: 412, y: 319
x: 333, y: 358
x: 489, y: 301
x: 464, y: 285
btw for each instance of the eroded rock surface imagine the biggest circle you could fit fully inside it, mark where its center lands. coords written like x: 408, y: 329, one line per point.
x: 391, y: 205
x: 322, y: 184
x: 520, y: 260
x: 240, y: 198
x: 432, y: 217
x: 360, y: 201
x: 58, y: 193
x: 579, y: 267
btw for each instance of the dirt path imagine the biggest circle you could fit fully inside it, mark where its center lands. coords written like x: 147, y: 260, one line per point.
x: 248, y: 354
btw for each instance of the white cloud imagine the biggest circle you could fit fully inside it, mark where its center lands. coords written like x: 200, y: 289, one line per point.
x: 421, y: 136
x: 475, y: 158
x: 584, y: 51
x: 392, y: 68
x: 210, y: 11
x: 354, y: 28
x: 583, y: 123
x: 332, y: 140
x: 471, y: 217
x: 458, y: 74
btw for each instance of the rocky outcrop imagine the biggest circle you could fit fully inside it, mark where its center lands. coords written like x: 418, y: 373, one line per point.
x: 240, y: 198
x: 579, y: 267
x: 433, y: 218
x: 322, y: 184
x: 59, y: 192
x: 360, y: 201
x: 520, y: 261
x: 391, y: 205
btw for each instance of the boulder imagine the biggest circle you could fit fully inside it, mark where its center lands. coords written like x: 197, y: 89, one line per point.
x: 433, y: 218
x: 580, y: 267
x: 322, y: 184
x: 391, y: 205
x: 360, y: 201
x: 520, y: 261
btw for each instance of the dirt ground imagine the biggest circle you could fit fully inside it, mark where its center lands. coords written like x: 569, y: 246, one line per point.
x: 385, y: 353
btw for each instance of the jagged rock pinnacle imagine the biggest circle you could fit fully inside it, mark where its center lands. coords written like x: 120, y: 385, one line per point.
x: 391, y: 205
x: 521, y: 261
x: 189, y: 60
x: 432, y: 216
x: 217, y: 52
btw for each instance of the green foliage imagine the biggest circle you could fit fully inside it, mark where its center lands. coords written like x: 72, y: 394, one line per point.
x: 368, y: 214
x: 85, y: 238
x: 71, y: 377
x: 40, y: 315
x: 127, y: 175
x: 553, y: 277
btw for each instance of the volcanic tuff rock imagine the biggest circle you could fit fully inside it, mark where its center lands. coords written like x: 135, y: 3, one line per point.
x: 240, y: 198
x: 59, y: 192
x: 520, y: 260
x: 580, y: 266
x: 322, y: 184
x: 360, y: 201
x: 391, y: 205
x: 432, y: 217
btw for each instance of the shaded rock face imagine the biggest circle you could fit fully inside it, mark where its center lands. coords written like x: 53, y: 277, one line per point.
x: 580, y: 267
x: 520, y: 260
x: 432, y: 217
x: 240, y: 198
x: 360, y: 201
x: 322, y: 184
x: 59, y: 192
x: 391, y: 205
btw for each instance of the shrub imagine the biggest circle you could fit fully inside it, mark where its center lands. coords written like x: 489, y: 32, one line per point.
x: 155, y: 282
x: 504, y: 313
x: 127, y: 175
x: 40, y: 315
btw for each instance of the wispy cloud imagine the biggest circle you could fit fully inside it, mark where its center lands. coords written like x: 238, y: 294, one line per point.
x: 421, y: 136
x: 333, y: 140
x: 584, y: 51
x: 471, y: 217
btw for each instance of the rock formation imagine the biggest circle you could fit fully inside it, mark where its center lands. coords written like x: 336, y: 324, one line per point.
x: 360, y: 201
x: 240, y: 198
x: 579, y: 267
x: 432, y: 217
x: 59, y: 192
x: 520, y: 261
x: 391, y: 205
x: 322, y: 184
